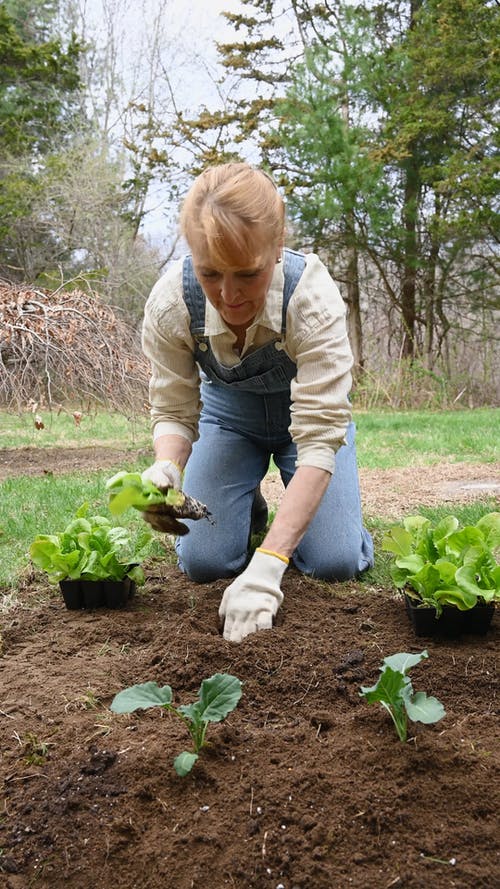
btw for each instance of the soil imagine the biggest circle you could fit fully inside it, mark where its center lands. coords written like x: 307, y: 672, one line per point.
x: 303, y: 786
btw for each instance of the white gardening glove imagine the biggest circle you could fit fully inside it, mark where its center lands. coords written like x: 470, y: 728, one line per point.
x: 251, y: 601
x: 164, y: 474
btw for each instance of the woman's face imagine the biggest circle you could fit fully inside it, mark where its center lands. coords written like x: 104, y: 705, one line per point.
x: 237, y: 294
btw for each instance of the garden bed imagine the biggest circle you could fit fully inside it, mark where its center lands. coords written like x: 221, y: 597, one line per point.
x: 305, y: 785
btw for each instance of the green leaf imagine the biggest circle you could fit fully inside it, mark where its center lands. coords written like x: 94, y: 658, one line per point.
x: 397, y: 541
x: 191, y: 711
x: 116, y: 480
x: 127, y: 489
x: 78, y: 526
x: 388, y: 688
x: 466, y: 579
x: 184, y: 762
x: 42, y: 550
x: 421, y: 708
x: 130, y: 496
x: 136, y: 573
x: 489, y: 525
x: 459, y: 542
x: 461, y: 599
x: 416, y: 524
x: 140, y: 697
x: 404, y: 661
x: 446, y: 570
x: 219, y: 695
x: 442, y: 531
x: 399, y: 576
x: 412, y: 564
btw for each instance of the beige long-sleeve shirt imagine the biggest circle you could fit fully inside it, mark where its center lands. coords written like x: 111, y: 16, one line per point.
x: 316, y: 340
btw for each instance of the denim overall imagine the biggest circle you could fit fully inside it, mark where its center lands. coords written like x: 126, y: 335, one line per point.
x: 244, y: 421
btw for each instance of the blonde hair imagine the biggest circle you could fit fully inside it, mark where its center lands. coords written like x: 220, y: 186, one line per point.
x: 233, y: 214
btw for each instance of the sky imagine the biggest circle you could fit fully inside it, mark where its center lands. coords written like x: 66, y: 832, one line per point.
x: 186, y: 43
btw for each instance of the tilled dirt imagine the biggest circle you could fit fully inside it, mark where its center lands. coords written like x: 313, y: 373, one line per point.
x: 304, y: 785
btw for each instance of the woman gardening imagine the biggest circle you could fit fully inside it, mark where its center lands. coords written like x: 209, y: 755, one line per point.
x: 250, y: 360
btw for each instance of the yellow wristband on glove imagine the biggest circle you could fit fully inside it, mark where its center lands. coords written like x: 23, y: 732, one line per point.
x: 270, y: 552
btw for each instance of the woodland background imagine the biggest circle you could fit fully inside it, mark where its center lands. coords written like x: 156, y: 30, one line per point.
x: 379, y: 121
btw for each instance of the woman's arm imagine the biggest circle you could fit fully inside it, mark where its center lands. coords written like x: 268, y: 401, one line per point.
x: 251, y: 601
x: 300, y: 501
x: 173, y: 447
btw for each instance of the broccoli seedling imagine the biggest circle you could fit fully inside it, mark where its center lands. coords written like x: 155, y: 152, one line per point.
x: 395, y: 692
x: 218, y: 696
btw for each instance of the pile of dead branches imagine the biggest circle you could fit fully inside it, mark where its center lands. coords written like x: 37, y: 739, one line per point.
x: 60, y: 347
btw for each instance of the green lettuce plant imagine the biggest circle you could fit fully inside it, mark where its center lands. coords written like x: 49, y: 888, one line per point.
x: 218, y: 696
x: 91, y: 548
x: 128, y: 489
x: 394, y: 692
x: 445, y: 564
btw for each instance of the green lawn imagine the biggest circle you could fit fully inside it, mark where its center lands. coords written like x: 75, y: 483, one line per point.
x: 61, y: 430
x: 386, y: 439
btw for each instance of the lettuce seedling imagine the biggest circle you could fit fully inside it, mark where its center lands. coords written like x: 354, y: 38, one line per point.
x: 218, y: 696
x: 445, y: 564
x: 91, y: 548
x: 395, y: 692
x: 128, y: 489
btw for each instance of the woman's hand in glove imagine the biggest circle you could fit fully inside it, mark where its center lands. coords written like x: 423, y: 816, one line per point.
x: 167, y: 475
x: 251, y: 601
x: 164, y: 474
x: 161, y: 519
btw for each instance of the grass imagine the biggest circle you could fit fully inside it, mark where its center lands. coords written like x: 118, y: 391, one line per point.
x: 389, y: 439
x: 60, y: 430
x: 384, y: 438
x: 45, y: 504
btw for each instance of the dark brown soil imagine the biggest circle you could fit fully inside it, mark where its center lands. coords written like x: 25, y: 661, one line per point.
x: 304, y: 785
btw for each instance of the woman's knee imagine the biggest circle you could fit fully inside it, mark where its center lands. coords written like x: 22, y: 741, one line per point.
x: 340, y: 570
x: 345, y: 564
x: 206, y: 566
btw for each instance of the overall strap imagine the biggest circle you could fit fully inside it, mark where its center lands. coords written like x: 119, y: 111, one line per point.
x: 193, y: 297
x: 293, y: 268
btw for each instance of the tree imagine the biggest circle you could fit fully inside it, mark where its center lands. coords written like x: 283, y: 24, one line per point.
x: 437, y: 142
x: 409, y: 89
x: 67, y: 208
x: 38, y: 82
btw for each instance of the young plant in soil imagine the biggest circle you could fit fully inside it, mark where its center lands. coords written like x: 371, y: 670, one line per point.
x: 395, y: 692
x: 218, y: 696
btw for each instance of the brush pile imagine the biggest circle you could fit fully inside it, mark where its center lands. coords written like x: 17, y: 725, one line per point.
x: 66, y: 346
